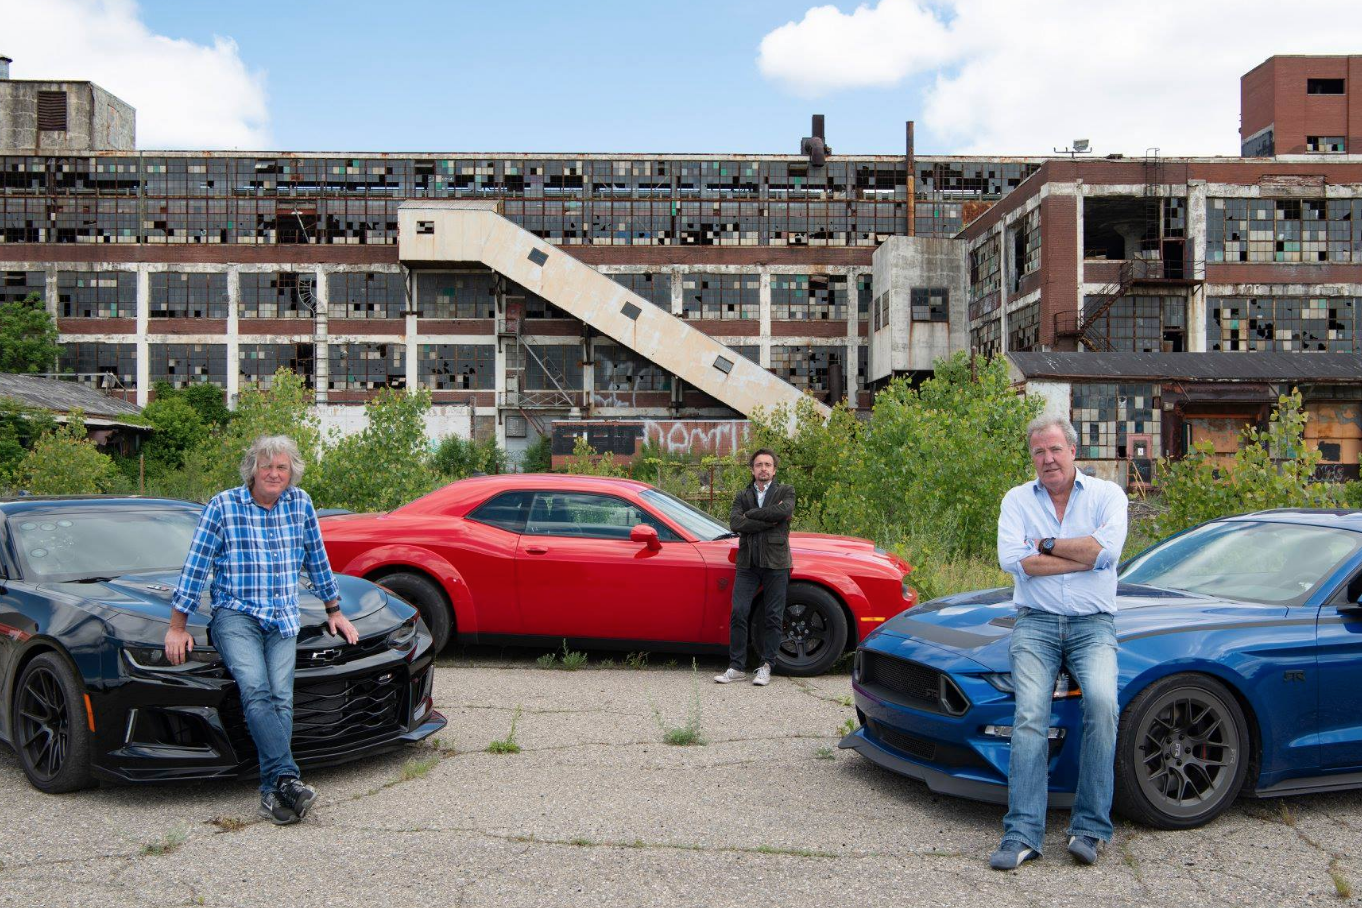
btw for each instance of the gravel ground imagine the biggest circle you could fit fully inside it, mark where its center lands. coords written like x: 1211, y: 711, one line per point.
x: 596, y: 809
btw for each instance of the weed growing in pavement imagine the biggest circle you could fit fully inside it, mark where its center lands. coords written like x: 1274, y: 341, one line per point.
x: 846, y: 727
x: 548, y: 660
x: 169, y: 844
x: 1287, y: 816
x: 581, y: 842
x: 796, y: 852
x: 845, y: 700
x: 636, y: 660
x: 417, y: 768
x: 689, y: 734
x: 1342, y: 886
x: 507, y: 745
x: 825, y: 753
x: 229, y: 824
x: 671, y: 663
x: 567, y: 660
x: 606, y: 663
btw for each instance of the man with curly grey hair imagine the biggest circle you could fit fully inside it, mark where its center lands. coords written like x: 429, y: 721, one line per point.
x: 254, y: 540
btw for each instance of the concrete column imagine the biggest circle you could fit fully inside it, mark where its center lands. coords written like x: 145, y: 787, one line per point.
x: 764, y: 318
x: 51, y: 293
x: 233, y: 336
x: 677, y: 295
x: 321, y: 361
x: 1006, y: 268
x: 412, y: 340
x: 1196, y: 235
x: 853, y: 336
x: 143, y: 347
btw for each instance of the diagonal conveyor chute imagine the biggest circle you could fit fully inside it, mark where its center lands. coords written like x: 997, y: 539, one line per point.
x: 437, y: 232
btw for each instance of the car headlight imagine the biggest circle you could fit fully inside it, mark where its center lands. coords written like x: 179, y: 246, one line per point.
x: 153, y: 658
x: 1064, y: 685
x: 405, y: 636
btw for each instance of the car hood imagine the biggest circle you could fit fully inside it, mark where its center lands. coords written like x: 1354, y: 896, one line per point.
x: 147, y: 595
x: 826, y: 542
x: 979, y: 624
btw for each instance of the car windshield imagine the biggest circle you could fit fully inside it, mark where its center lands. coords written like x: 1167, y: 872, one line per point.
x: 692, y: 519
x: 1274, y: 563
x: 76, y: 544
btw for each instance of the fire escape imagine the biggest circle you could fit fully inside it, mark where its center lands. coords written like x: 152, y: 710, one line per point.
x: 1160, y: 260
x: 522, y: 362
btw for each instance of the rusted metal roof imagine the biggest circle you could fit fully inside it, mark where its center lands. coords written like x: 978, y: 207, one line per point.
x: 63, y: 396
x: 1228, y: 367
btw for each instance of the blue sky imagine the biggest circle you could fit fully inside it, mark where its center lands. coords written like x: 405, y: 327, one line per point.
x: 978, y: 76
x: 527, y: 76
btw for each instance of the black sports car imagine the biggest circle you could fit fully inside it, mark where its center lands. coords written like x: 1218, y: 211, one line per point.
x: 86, y: 691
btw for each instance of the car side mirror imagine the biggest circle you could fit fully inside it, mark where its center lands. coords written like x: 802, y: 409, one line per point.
x: 646, y: 535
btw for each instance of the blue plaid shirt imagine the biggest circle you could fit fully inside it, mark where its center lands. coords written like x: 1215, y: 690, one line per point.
x: 254, y: 555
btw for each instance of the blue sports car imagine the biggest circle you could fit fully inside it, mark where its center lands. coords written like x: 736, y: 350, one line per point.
x: 1240, y: 671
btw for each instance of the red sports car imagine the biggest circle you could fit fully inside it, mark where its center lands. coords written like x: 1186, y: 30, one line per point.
x: 539, y: 558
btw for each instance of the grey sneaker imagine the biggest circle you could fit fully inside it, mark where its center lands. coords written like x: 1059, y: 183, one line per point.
x: 730, y: 676
x: 763, y: 676
x: 1084, y: 848
x: 295, y: 795
x: 1011, y: 855
x: 273, y: 808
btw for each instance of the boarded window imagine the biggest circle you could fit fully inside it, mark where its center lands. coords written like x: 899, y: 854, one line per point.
x: 52, y: 111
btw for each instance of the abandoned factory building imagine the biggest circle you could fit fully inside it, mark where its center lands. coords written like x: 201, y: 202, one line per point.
x: 687, y: 289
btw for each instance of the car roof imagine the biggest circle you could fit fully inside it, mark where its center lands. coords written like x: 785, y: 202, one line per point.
x: 1340, y: 518
x: 476, y: 489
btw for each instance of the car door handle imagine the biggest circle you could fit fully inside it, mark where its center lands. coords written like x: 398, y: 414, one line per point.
x: 536, y: 550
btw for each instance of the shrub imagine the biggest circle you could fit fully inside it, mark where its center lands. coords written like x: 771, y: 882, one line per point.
x: 176, y: 427
x: 384, y: 466
x: 456, y: 458
x: 586, y: 462
x: 65, y: 462
x: 538, y: 457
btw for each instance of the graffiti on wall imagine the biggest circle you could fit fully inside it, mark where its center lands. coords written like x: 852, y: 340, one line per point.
x: 681, y: 436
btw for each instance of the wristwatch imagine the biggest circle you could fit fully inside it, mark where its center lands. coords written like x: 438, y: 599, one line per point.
x: 333, y: 609
x: 1047, y: 545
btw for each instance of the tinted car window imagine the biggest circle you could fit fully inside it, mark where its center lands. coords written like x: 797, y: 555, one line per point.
x: 592, y: 516
x: 506, y: 511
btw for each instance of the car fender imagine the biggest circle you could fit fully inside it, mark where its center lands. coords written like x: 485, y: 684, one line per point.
x: 845, y: 589
x: 412, y: 556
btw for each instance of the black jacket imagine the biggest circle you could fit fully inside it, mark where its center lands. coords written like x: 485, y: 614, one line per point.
x: 763, y: 533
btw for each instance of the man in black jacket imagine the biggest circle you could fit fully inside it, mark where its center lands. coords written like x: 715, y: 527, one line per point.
x: 761, y: 518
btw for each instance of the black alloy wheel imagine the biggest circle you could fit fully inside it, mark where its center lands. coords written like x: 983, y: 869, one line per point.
x: 1182, y: 753
x: 429, y: 601
x: 51, y: 734
x: 814, y: 632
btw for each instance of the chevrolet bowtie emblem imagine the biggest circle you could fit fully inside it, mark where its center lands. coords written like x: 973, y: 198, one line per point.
x: 322, y: 655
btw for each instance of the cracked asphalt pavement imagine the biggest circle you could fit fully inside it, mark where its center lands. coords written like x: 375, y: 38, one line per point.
x: 596, y: 809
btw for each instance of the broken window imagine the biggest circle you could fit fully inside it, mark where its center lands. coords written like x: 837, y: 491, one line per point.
x: 1324, y: 86
x: 1141, y: 324
x: 457, y: 367
x: 1283, y: 230
x: 549, y: 367
x: 930, y: 304
x: 182, y: 294
x: 186, y: 364
x: 18, y: 286
x: 1023, y: 328
x: 1261, y: 145
x: 800, y: 297
x: 366, y: 367
x: 1295, y: 323
x: 984, y: 279
x: 101, y: 365
x: 655, y: 288
x: 1025, y: 246
x: 366, y: 294
x: 881, y: 312
x: 811, y: 368
x: 942, y: 187
x: 278, y: 294
x: 985, y: 338
x: 470, y: 294
x: 1151, y: 231
x: 97, y: 294
x: 1107, y: 414
x: 257, y: 363
x: 1326, y: 144
x: 621, y: 369
x: 865, y: 291
x: 720, y: 296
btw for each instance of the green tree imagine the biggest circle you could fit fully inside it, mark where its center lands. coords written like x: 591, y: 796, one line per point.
x: 65, y: 462
x: 384, y: 466
x: 19, y: 426
x: 177, y: 429
x: 1272, y: 469
x: 811, y: 456
x: 28, y: 336
x: 586, y: 462
x: 457, y: 457
x: 538, y: 457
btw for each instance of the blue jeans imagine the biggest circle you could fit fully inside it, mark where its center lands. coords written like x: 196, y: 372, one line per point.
x: 261, y: 662
x: 1041, y: 643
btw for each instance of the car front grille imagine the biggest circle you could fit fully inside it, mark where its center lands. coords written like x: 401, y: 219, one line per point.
x: 911, y: 684
x: 341, y: 653
x: 331, y: 714
x: 910, y: 744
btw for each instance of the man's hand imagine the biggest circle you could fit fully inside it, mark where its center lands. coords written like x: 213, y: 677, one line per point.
x: 340, y: 625
x: 178, y: 644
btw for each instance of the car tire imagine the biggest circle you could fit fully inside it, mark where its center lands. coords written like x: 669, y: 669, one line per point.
x: 814, y: 632
x: 51, y: 730
x: 428, y: 599
x: 1182, y: 753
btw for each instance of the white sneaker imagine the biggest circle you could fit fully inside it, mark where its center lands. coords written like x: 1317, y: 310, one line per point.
x: 730, y: 676
x: 763, y: 676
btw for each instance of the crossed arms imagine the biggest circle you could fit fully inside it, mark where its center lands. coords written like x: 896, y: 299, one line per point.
x: 780, y: 505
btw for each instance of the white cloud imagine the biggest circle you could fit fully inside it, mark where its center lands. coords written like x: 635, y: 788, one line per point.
x: 1026, y: 77
x: 187, y: 95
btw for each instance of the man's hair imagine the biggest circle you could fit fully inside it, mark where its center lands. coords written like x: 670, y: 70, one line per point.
x: 1041, y: 423
x: 775, y: 461
x: 268, y: 447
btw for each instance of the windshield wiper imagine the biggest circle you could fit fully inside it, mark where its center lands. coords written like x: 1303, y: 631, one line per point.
x: 94, y: 579
x: 724, y: 536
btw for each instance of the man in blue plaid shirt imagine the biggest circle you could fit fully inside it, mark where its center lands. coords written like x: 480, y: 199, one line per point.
x: 254, y: 540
